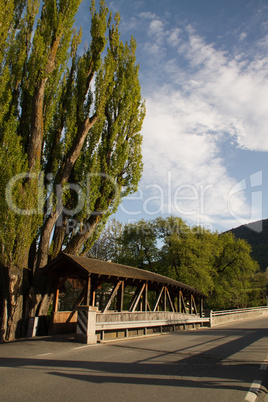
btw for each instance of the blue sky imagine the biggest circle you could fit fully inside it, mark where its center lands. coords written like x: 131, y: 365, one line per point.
x: 204, y: 75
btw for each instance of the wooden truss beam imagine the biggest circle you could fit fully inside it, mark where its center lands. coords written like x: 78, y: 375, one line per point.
x: 87, y: 291
x: 201, y: 304
x: 137, y: 297
x: 120, y: 297
x: 182, y: 306
x: 193, y: 309
x: 158, y: 298
x: 145, y: 298
x: 170, y: 301
x: 113, y: 294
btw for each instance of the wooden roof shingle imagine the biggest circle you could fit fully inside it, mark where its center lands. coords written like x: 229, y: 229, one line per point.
x: 84, y: 266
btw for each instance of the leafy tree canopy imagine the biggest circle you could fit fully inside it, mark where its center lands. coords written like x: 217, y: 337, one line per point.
x: 70, y: 137
x: 217, y: 264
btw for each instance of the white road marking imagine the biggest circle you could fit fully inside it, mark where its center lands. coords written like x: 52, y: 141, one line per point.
x: 44, y: 354
x: 81, y: 347
x: 252, y: 393
x: 264, y: 364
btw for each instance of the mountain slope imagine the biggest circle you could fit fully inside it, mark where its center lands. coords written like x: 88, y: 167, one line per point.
x: 256, y: 234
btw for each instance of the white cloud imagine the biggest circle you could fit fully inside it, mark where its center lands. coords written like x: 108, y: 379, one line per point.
x: 174, y: 37
x: 242, y: 36
x: 211, y: 95
x: 156, y: 28
x: 147, y: 15
x: 237, y: 92
x: 185, y: 161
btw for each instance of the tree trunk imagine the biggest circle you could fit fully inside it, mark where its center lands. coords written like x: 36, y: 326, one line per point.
x: 79, y: 239
x: 36, y: 138
x: 45, y: 300
x: 43, y: 248
x: 58, y: 238
x: 3, y: 302
x: 11, y: 301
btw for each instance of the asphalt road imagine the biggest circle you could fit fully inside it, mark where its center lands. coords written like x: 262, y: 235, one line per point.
x: 226, y: 363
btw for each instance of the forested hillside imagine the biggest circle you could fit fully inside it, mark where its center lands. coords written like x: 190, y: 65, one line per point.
x: 256, y: 234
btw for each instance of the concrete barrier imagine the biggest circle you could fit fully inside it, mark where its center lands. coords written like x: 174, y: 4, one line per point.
x: 113, y: 325
x: 94, y: 326
x: 86, y: 324
x: 137, y: 316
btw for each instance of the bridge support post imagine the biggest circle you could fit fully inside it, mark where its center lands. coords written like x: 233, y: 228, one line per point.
x: 211, y: 318
x: 86, y: 324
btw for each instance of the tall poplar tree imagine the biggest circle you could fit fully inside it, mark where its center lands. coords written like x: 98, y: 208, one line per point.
x: 70, y: 141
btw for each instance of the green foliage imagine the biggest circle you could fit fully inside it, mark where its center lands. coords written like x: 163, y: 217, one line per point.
x: 76, y: 117
x: 16, y: 230
x: 107, y: 246
x: 235, y: 270
x: 220, y: 266
x: 190, y: 257
x: 138, y: 245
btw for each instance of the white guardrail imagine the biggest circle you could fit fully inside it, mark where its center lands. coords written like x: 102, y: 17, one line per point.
x: 224, y: 316
x: 237, y: 311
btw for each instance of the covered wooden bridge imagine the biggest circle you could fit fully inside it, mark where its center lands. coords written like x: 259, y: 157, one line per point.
x: 102, y: 300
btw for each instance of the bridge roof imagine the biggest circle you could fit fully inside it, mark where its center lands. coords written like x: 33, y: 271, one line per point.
x: 67, y: 264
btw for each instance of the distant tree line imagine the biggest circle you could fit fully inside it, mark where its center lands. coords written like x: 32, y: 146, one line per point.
x: 219, y: 265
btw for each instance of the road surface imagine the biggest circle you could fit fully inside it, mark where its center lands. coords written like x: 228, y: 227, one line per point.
x: 226, y: 363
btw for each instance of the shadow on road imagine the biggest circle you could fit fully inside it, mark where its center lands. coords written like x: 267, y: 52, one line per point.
x: 181, y: 367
